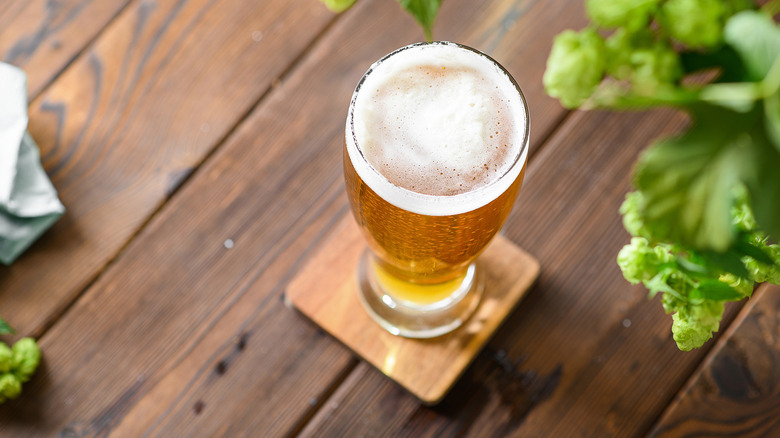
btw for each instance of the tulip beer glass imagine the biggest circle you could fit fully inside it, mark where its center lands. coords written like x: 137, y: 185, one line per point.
x: 435, y: 149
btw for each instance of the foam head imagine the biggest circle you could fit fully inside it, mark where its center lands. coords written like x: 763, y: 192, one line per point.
x: 436, y: 120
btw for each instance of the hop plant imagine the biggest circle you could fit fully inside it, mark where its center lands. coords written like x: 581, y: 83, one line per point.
x: 693, y: 286
x: 338, y: 5
x: 10, y: 387
x: 692, y: 326
x: 17, y: 365
x: 629, y: 14
x: 705, y: 202
x: 575, y: 67
x: 6, y: 358
x: 654, y: 67
x: 26, y: 357
x: 647, y: 64
x: 695, y: 23
x: 640, y: 261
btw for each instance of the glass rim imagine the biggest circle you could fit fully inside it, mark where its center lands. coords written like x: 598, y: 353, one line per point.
x: 519, y: 159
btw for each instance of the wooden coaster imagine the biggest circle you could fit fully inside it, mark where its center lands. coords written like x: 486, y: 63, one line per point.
x: 326, y: 291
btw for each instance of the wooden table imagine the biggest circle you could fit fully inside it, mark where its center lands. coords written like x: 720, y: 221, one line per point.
x: 197, y: 147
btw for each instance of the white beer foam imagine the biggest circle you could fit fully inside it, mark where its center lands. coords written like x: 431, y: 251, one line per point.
x: 443, y: 129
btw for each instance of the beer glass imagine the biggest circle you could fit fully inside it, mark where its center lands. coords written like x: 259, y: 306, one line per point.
x: 435, y: 148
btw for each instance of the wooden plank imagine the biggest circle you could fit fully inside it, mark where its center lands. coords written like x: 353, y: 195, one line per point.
x: 736, y: 391
x: 130, y: 120
x: 42, y: 37
x: 280, y: 404
x: 152, y: 346
x: 585, y: 354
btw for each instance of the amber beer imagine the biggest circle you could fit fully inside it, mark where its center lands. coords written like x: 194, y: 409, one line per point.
x: 421, y: 248
x: 435, y: 148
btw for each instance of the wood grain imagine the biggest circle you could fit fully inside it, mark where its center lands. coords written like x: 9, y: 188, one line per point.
x: 339, y: 60
x: 150, y: 348
x: 736, y: 391
x: 585, y: 354
x: 129, y: 121
x: 326, y: 291
x: 43, y: 37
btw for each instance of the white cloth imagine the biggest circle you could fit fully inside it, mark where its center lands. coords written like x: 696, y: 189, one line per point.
x: 28, y: 202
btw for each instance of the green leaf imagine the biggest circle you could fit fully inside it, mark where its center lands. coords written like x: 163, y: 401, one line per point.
x: 338, y: 5
x: 764, y: 188
x: 770, y: 88
x: 424, y: 11
x: 658, y: 284
x: 5, y: 328
x: 716, y: 291
x: 772, y: 117
x: 692, y: 268
x: 729, y: 261
x: 689, y: 182
x: 739, y: 96
x: 725, y: 59
x: 744, y: 246
x: 756, y: 39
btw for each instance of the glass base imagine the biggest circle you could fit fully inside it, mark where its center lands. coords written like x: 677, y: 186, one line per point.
x: 416, y: 310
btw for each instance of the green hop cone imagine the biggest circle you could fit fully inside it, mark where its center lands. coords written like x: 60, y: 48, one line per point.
x: 632, y: 217
x: 761, y: 272
x: 741, y: 214
x: 693, y: 326
x: 654, y: 67
x: 641, y: 262
x: 695, y: 23
x: 10, y: 387
x: 672, y: 302
x: 575, y: 66
x: 741, y: 285
x: 631, y: 14
x: 338, y: 5
x: 26, y: 358
x: 620, y: 45
x: 6, y: 358
x: 635, y: 57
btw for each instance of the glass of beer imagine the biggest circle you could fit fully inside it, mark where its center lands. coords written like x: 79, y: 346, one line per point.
x: 435, y: 149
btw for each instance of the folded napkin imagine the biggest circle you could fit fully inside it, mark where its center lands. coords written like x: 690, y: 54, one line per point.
x: 28, y: 201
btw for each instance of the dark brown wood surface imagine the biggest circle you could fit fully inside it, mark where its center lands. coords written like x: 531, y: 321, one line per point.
x: 171, y: 127
x: 736, y: 390
x: 584, y: 353
x: 44, y: 36
x: 132, y: 117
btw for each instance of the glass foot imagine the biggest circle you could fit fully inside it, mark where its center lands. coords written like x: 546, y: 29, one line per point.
x: 417, y: 310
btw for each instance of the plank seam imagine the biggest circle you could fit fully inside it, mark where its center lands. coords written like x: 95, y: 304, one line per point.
x: 723, y: 336
x: 547, y: 138
x: 337, y: 382
x: 244, y: 287
x: 327, y: 396
x: 56, y: 315
x: 78, y: 54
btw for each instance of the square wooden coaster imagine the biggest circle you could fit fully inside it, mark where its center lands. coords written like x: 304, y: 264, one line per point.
x: 326, y: 291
